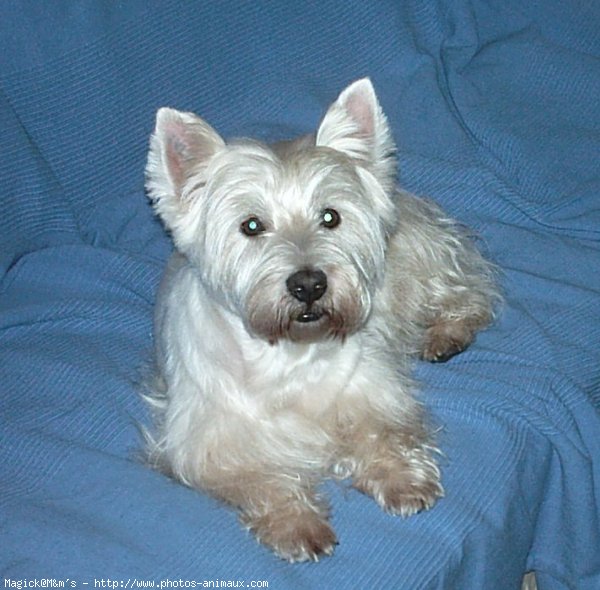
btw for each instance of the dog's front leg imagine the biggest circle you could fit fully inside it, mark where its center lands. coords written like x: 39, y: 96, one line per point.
x: 387, y: 450
x: 292, y: 520
x: 402, y: 479
x: 268, y: 467
x: 282, y: 509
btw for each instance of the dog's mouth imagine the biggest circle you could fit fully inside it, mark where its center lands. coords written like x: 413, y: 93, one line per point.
x: 307, y: 323
x: 309, y: 315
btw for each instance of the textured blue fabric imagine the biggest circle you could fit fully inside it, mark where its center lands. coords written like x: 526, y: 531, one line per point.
x: 495, y: 110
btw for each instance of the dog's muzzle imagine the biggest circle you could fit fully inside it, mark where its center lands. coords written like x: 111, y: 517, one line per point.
x: 307, y: 286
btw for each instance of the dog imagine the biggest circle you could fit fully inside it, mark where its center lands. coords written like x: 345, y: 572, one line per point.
x: 303, y: 286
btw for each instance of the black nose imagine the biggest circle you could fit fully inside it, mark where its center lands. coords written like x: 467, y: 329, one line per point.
x: 307, y: 285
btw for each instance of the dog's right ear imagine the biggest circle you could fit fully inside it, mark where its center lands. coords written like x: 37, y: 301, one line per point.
x: 356, y: 126
x: 181, y: 147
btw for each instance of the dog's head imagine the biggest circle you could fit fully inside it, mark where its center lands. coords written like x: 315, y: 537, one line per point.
x: 291, y: 237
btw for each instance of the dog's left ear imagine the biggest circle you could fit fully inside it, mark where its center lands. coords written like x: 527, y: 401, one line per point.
x: 356, y: 125
x: 181, y: 148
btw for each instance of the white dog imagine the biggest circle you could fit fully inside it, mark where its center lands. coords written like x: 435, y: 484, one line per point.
x: 303, y: 286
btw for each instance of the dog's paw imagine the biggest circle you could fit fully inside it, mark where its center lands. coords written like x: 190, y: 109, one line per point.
x: 402, y: 486
x: 445, y: 340
x: 304, y: 536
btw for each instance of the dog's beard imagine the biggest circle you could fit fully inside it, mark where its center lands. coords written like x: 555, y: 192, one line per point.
x: 329, y: 318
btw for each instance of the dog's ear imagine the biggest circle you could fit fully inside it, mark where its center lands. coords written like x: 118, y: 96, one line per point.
x: 181, y: 147
x: 356, y: 125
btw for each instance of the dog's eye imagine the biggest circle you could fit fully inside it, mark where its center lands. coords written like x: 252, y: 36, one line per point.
x: 252, y: 226
x: 330, y: 218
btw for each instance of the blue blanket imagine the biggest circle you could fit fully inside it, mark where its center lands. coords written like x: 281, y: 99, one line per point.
x: 495, y: 110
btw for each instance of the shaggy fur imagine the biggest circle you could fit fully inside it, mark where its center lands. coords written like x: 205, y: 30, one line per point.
x: 303, y: 286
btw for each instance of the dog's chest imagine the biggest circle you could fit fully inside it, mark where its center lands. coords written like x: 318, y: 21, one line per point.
x: 309, y: 376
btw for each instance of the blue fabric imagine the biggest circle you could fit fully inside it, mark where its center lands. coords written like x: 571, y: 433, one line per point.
x: 495, y: 110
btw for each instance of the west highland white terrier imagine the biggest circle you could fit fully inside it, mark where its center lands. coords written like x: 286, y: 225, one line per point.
x: 303, y: 286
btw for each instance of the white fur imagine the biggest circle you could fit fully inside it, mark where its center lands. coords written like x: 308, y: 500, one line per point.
x: 255, y: 406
